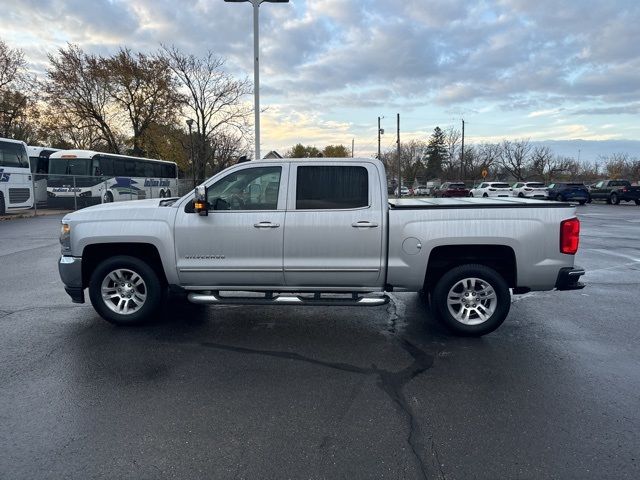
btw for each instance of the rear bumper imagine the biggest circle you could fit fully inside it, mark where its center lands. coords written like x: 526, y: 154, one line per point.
x: 569, y: 278
x: 70, y: 269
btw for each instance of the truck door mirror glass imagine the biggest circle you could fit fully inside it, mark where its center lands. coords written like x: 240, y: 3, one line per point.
x: 200, y: 201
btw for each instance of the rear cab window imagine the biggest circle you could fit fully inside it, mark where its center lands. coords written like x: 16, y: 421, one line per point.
x: 320, y: 187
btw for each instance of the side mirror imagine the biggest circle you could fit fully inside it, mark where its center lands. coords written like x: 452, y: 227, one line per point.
x: 200, y: 201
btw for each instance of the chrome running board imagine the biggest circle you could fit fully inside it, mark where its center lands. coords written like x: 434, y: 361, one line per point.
x: 270, y: 298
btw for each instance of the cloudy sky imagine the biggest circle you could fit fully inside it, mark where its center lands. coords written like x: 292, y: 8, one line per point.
x: 538, y: 69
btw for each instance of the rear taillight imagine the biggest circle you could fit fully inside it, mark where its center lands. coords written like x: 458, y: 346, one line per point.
x: 569, y: 236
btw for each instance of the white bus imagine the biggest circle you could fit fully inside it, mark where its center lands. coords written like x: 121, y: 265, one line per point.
x: 16, y: 189
x: 39, y: 159
x: 95, y: 177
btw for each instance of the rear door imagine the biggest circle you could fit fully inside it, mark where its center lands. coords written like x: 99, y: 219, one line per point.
x: 334, y: 226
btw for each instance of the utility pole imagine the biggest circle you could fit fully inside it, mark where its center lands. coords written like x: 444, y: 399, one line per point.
x: 399, y: 167
x: 462, y: 155
x: 379, y: 132
x: 353, y: 144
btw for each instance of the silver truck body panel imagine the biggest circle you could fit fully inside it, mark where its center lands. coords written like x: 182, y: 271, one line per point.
x: 326, y: 250
x: 532, y: 233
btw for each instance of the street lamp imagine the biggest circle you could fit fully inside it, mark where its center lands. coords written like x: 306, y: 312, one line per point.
x: 193, y: 164
x: 256, y: 66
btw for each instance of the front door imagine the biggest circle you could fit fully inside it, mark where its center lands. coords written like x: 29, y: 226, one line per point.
x: 334, y: 226
x: 240, y: 242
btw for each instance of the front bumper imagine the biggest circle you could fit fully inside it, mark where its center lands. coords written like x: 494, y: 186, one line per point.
x: 569, y: 278
x: 70, y: 269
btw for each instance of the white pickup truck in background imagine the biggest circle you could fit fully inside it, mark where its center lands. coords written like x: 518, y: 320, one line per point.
x: 317, y: 232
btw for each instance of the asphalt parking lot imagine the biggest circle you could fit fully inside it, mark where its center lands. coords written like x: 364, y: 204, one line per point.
x: 310, y: 392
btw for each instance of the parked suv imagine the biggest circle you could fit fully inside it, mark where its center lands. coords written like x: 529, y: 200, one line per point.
x: 491, y: 189
x: 451, y: 189
x: 529, y: 190
x: 569, y: 191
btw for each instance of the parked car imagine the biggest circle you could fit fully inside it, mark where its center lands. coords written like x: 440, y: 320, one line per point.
x: 296, y: 231
x: 404, y: 191
x: 529, y: 190
x: 451, y: 189
x: 421, y: 190
x: 491, y: 189
x: 615, y: 191
x: 569, y: 192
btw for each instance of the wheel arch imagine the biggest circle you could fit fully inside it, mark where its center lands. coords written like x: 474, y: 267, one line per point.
x: 93, y: 254
x: 501, y: 258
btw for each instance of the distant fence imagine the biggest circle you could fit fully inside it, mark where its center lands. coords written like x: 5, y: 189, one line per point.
x: 73, y: 192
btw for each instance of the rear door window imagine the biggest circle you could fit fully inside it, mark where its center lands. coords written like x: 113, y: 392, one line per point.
x: 332, y: 187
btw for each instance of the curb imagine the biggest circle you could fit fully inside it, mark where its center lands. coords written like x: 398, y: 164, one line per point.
x: 31, y: 214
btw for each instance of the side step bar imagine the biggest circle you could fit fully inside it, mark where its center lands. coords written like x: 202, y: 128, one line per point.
x: 214, y: 298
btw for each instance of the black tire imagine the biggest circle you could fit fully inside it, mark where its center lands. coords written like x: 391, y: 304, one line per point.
x: 582, y: 202
x: 559, y: 198
x: 167, y: 194
x: 439, y: 299
x: 107, y: 198
x: 614, y: 199
x: 471, y: 194
x: 3, y: 207
x: 638, y: 202
x: 153, y: 289
x: 485, y: 195
x: 589, y: 200
x: 521, y: 195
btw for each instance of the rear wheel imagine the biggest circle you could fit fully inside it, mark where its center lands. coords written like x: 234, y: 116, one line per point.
x: 638, y: 202
x: 125, y: 290
x: 485, y: 195
x: 614, y: 199
x: 168, y: 194
x: 521, y: 195
x: 471, y: 300
x: 3, y: 207
x: 108, y: 197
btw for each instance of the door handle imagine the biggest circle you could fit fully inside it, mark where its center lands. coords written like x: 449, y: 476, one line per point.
x: 266, y: 225
x: 364, y: 224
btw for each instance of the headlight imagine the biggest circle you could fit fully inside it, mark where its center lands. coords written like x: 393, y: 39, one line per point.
x: 65, y: 236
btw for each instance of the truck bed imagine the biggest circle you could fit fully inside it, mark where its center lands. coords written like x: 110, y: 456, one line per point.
x: 468, y: 202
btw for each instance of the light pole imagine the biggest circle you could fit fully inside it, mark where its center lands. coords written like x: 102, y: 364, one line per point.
x: 193, y: 164
x: 256, y: 65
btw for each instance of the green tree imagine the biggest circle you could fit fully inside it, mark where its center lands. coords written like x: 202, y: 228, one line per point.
x: 436, y: 153
x: 336, y: 151
x: 302, y: 151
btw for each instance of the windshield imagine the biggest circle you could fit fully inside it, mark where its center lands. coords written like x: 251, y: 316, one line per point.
x: 13, y: 155
x: 70, y: 166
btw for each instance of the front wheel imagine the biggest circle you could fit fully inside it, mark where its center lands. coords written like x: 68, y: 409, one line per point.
x: 471, y: 300
x: 125, y: 290
x: 615, y: 199
x: 521, y: 195
x: 559, y: 198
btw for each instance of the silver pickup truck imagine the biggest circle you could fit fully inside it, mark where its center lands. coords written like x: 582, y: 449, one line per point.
x: 317, y: 232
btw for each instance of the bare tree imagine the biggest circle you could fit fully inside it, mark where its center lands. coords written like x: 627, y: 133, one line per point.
x: 452, y: 138
x: 17, y: 94
x: 214, y: 100
x: 77, y: 85
x: 514, y: 156
x: 145, y: 89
